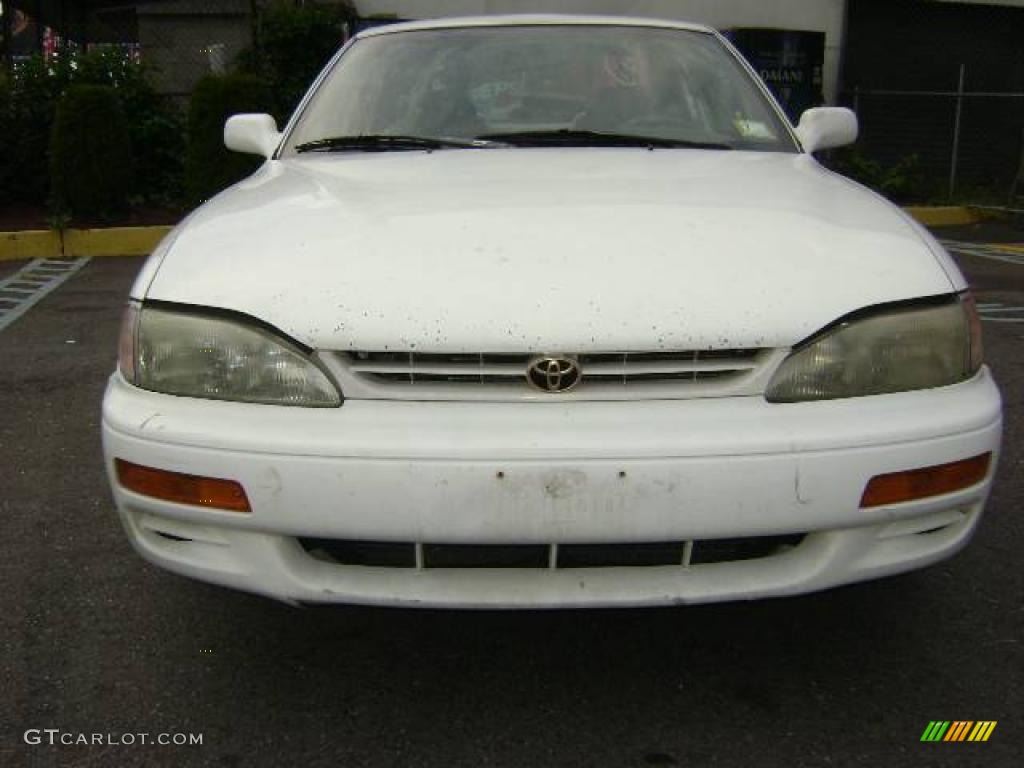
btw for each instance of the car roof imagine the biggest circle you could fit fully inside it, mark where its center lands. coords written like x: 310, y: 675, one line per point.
x: 521, y: 20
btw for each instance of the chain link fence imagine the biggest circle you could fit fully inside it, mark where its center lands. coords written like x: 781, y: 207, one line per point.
x: 964, y: 140
x: 939, y: 91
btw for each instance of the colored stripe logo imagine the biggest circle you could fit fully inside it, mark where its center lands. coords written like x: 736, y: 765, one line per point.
x: 958, y: 730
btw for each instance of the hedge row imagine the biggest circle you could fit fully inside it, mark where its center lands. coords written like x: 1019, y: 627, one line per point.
x: 6, y: 167
x: 136, y: 146
x: 92, y: 157
x: 89, y: 150
x: 209, y: 165
x: 28, y: 107
x: 91, y: 161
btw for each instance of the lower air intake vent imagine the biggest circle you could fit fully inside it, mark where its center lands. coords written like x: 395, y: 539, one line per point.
x: 536, y: 556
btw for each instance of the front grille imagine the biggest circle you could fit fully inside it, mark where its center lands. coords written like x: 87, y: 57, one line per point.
x: 539, y: 556
x: 619, y: 375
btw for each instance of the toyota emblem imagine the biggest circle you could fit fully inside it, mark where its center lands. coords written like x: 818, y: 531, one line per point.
x: 553, y: 374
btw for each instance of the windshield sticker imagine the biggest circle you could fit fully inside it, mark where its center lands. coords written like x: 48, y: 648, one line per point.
x: 753, y: 129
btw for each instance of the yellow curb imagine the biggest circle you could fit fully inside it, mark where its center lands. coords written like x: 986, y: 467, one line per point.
x: 140, y: 241
x: 30, y: 244
x: 112, y: 241
x: 1012, y: 247
x: 944, y: 215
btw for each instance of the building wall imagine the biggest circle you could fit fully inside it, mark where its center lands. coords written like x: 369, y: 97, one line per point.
x: 810, y: 15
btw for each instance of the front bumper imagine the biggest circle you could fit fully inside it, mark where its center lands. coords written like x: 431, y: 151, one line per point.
x: 551, y: 473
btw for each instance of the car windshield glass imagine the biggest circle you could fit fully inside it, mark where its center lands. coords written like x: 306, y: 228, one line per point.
x: 569, y: 81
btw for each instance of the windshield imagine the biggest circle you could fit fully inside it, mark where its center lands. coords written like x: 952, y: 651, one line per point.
x: 483, y: 86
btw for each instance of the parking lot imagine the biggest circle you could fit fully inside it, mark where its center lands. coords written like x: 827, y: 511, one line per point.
x: 98, y: 641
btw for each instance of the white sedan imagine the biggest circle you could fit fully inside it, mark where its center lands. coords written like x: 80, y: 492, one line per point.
x: 547, y: 311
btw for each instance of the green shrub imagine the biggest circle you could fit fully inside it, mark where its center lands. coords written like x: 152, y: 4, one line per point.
x: 901, y: 182
x: 209, y: 165
x: 154, y: 125
x: 6, y: 167
x: 35, y: 88
x: 91, y: 166
x: 293, y: 43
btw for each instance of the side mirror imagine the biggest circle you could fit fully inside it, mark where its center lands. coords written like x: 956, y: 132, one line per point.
x: 826, y: 128
x: 253, y: 134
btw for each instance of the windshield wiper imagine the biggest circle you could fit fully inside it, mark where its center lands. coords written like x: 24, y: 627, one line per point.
x: 570, y: 137
x: 384, y: 143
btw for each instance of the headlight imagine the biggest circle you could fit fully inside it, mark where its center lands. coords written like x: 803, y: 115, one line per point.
x: 211, y: 356
x: 893, y: 351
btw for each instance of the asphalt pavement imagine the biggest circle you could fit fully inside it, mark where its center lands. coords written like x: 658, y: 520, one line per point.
x: 96, y: 641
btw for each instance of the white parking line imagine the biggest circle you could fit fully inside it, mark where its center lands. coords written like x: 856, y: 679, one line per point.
x: 27, y: 286
x: 994, y: 252
x: 990, y: 310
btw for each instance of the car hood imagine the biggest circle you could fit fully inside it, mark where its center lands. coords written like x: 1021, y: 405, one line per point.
x: 553, y: 250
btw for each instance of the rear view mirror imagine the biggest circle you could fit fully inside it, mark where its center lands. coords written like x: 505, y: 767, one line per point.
x: 252, y: 134
x: 826, y: 128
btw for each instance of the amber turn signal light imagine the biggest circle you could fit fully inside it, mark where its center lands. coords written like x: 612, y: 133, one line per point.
x: 182, y: 489
x: 925, y: 482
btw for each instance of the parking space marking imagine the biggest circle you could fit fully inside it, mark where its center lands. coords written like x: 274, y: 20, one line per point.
x: 1009, y: 253
x: 27, y: 287
x: 1000, y: 313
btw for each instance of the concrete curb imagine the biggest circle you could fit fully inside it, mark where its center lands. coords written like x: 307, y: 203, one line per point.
x: 29, y: 244
x: 48, y: 244
x: 139, y: 241
x: 945, y: 215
